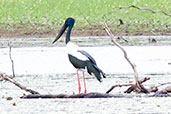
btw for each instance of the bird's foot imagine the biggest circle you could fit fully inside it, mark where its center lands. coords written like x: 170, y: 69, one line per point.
x: 85, y: 91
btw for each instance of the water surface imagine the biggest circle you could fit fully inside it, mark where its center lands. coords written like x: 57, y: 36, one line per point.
x: 47, y: 70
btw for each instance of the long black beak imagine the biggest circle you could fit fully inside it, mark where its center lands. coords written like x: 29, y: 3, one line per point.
x: 60, y: 33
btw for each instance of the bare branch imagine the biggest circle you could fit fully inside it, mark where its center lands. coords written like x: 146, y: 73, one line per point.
x: 5, y: 77
x: 134, y: 87
x: 119, y: 85
x: 119, y: 46
x: 11, y: 59
x: 147, y: 9
x: 126, y: 57
x: 130, y: 89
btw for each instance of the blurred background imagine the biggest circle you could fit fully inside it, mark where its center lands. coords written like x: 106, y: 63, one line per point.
x: 42, y: 18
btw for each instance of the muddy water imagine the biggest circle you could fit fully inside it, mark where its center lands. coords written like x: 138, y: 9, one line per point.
x: 47, y: 70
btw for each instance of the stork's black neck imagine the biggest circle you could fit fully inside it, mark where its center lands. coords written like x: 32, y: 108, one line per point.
x: 68, y: 34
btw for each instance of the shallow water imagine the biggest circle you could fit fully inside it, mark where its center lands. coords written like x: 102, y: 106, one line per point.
x: 47, y: 70
x: 54, y: 60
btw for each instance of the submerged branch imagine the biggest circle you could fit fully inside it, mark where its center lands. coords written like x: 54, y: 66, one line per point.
x: 5, y: 77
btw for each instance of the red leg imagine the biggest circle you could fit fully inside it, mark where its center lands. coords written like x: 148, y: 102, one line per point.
x: 79, y: 86
x: 85, y: 90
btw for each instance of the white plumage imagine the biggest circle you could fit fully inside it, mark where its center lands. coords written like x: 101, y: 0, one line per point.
x: 73, y: 50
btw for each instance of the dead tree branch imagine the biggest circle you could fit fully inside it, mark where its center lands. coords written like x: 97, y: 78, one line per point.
x: 126, y: 57
x: 147, y: 9
x: 82, y: 95
x: 11, y: 59
x: 133, y: 6
x: 134, y: 87
x: 35, y: 94
x: 5, y: 77
x: 130, y: 89
x: 119, y: 46
x: 119, y: 85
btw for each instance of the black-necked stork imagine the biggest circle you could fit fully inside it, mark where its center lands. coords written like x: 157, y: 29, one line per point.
x: 80, y: 59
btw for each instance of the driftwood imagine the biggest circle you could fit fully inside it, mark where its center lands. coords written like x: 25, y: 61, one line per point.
x: 34, y: 94
x: 82, y: 95
x: 6, y: 78
x: 138, y: 84
x: 130, y: 89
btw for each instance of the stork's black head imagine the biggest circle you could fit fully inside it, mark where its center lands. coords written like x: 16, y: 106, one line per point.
x: 68, y: 23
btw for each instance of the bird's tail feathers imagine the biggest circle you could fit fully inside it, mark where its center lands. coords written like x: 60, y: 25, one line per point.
x: 92, y: 68
x: 102, y: 73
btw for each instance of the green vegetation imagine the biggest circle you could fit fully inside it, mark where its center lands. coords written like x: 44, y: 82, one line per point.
x: 29, y: 17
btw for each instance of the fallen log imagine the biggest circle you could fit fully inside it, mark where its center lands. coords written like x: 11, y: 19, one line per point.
x: 94, y: 95
x: 82, y: 95
x: 35, y: 95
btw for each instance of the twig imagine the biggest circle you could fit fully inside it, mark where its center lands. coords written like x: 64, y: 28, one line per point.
x: 134, y: 87
x: 5, y: 77
x: 126, y: 57
x: 119, y: 85
x: 148, y: 9
x: 11, y: 59
x: 130, y: 89
x: 133, y: 6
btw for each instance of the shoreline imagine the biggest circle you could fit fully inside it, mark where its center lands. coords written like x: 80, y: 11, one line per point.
x: 87, y: 41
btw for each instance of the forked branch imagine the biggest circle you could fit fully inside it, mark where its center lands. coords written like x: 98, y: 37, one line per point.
x: 126, y: 57
x: 132, y: 86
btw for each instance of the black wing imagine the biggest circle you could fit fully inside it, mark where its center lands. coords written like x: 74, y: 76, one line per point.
x: 88, y: 56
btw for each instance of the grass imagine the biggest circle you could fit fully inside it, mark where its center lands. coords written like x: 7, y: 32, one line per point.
x: 46, y: 16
